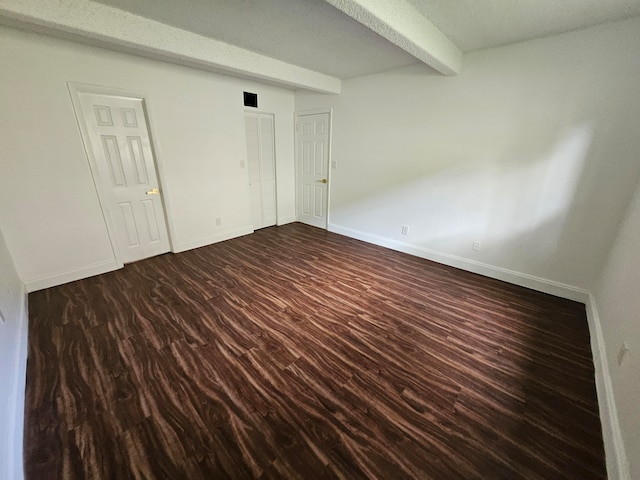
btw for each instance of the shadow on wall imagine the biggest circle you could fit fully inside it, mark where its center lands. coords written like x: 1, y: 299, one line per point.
x: 492, y: 202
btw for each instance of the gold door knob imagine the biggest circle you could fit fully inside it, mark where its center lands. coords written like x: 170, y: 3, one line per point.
x: 324, y: 180
x: 153, y: 191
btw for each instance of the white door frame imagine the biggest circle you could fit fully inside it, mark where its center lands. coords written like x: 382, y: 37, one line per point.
x: 75, y: 89
x: 297, y: 115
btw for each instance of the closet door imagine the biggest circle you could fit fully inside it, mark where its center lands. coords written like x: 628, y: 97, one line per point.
x: 262, y: 168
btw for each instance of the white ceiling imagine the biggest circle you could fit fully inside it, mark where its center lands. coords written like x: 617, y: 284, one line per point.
x: 477, y: 24
x: 315, y: 35
x: 308, y: 33
x: 308, y: 44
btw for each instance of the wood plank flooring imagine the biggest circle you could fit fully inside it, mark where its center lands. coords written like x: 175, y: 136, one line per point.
x: 297, y: 353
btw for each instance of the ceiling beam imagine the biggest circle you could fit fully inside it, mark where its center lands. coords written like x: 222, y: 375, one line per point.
x: 404, y: 26
x: 115, y: 29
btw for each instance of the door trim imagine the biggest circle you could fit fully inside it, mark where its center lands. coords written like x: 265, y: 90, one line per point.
x: 75, y: 89
x: 296, y: 117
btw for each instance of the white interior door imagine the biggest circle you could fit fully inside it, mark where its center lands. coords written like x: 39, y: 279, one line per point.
x: 313, y: 168
x: 117, y: 136
x: 262, y: 168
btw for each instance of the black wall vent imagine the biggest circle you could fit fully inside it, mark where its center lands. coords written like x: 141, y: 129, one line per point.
x: 250, y: 99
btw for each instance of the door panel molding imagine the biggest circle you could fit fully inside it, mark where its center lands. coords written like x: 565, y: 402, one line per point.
x: 303, y: 153
x: 129, y: 119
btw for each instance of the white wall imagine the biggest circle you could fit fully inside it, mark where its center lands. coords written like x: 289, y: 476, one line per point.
x: 13, y: 356
x: 532, y: 151
x: 617, y: 296
x: 48, y: 205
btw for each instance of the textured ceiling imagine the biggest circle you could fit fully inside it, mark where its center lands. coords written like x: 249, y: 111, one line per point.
x: 476, y: 24
x: 314, y: 35
x: 308, y: 33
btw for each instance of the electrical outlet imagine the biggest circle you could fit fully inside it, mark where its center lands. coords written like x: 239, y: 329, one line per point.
x: 475, y: 246
x: 1, y: 317
x: 622, y: 353
x: 405, y: 229
x: 241, y: 164
x: 334, y: 164
x: 218, y: 221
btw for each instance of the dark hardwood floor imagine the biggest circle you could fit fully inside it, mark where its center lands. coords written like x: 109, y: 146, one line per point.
x: 297, y: 353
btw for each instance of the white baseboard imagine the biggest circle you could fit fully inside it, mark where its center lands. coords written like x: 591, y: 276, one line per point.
x: 524, y: 280
x: 71, y: 276
x: 15, y: 433
x: 183, y: 247
x: 285, y: 220
x: 35, y: 284
x: 617, y: 464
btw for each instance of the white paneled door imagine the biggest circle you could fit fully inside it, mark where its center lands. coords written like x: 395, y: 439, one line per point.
x: 312, y: 133
x: 262, y: 168
x: 117, y: 137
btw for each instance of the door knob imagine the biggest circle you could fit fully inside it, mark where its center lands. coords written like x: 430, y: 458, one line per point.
x: 324, y: 180
x: 153, y: 191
